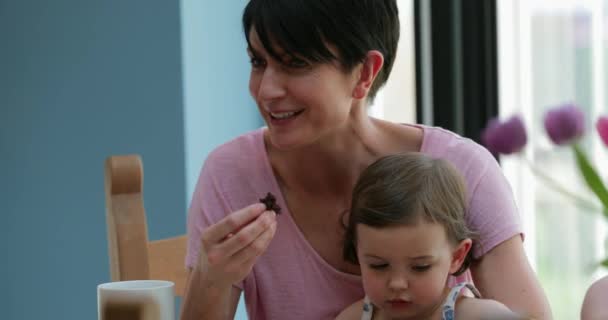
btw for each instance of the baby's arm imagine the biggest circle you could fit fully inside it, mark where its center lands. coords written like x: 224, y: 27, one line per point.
x: 352, y: 312
x: 484, y: 309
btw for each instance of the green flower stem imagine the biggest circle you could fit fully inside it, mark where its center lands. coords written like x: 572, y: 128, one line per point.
x: 592, y: 178
x: 556, y: 186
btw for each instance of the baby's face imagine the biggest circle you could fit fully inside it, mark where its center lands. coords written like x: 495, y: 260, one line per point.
x: 405, y: 268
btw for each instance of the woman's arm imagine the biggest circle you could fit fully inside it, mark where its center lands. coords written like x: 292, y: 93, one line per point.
x: 595, y: 305
x: 207, y: 302
x: 482, y: 309
x: 228, y: 251
x: 504, y: 274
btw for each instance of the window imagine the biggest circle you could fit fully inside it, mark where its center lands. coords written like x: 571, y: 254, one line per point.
x: 397, y: 99
x: 553, y: 52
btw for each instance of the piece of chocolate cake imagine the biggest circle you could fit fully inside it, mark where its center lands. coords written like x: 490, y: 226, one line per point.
x: 271, y: 203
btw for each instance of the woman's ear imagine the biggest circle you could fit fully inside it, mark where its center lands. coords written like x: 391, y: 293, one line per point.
x: 367, y: 73
x: 459, y: 254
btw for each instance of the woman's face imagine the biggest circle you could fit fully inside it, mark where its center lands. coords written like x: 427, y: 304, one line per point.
x: 405, y: 268
x: 299, y: 101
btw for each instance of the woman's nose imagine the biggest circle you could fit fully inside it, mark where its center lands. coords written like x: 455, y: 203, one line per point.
x: 271, y: 85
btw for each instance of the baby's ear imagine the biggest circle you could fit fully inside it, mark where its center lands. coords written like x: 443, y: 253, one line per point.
x: 459, y: 254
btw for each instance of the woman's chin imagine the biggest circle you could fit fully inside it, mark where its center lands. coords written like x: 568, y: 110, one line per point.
x: 286, y: 142
x: 290, y: 140
x: 282, y: 144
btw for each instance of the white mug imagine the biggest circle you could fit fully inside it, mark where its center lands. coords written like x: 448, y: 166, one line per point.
x: 136, y: 300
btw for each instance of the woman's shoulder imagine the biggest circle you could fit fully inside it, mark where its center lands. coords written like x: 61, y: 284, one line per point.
x: 444, y: 143
x: 234, y: 175
x: 470, y: 158
x: 474, y: 308
x: 236, y: 167
x: 238, y: 152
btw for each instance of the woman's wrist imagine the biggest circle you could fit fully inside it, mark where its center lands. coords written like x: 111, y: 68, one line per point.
x: 203, y: 280
x: 211, y: 297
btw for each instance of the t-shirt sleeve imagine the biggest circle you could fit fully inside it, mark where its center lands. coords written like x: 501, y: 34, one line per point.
x: 208, y: 206
x: 492, y: 213
x: 197, y: 219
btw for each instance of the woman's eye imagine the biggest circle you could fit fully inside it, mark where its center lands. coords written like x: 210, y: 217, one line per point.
x: 379, y: 266
x: 421, y: 268
x: 296, y: 63
x: 257, y: 63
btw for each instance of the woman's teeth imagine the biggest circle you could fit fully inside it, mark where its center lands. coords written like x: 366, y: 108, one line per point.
x: 283, y: 115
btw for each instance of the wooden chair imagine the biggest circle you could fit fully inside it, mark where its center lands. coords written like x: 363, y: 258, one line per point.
x: 132, y: 255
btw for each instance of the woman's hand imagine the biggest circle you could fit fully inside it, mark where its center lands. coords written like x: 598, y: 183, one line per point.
x: 231, y: 246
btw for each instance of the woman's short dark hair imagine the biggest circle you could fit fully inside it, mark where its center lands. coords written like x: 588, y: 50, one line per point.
x: 305, y: 28
x: 404, y: 189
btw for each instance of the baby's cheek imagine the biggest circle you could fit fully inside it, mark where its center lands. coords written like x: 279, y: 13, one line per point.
x: 430, y: 289
x: 374, y: 287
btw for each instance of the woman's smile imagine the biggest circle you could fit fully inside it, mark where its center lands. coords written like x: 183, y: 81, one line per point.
x: 281, y: 118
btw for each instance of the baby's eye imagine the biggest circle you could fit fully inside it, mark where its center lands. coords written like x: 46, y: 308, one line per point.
x: 379, y: 266
x: 257, y: 62
x: 421, y: 268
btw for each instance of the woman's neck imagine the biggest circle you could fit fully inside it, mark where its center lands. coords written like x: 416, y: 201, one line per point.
x: 331, y: 165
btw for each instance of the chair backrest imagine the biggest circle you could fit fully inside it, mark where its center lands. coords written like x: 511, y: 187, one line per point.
x: 132, y: 255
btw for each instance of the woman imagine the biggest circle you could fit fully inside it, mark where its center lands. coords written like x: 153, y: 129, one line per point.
x: 316, y: 65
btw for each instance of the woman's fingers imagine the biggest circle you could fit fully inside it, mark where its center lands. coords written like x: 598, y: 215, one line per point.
x: 231, y: 246
x: 247, y: 235
x: 231, y: 223
x: 248, y: 255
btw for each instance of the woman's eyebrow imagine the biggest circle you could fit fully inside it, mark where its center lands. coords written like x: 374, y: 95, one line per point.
x: 252, y: 51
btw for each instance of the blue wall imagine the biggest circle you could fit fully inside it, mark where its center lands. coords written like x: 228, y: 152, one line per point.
x: 81, y: 80
x: 217, y: 105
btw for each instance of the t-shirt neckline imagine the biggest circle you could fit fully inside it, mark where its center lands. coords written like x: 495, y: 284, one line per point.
x: 287, y: 214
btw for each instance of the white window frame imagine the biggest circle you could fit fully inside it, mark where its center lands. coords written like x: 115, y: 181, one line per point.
x: 396, y: 101
x: 516, y: 88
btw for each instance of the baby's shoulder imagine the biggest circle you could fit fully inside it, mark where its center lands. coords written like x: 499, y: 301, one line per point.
x: 484, y: 309
x: 351, y: 312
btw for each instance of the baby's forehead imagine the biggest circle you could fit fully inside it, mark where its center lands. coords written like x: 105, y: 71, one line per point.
x: 418, y: 225
x: 418, y: 237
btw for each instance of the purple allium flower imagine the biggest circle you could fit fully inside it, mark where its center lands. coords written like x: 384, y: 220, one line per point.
x: 505, y: 137
x: 564, y: 124
x: 602, y: 128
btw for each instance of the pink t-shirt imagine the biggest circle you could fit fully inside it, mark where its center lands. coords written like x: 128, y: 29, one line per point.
x: 291, y: 280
